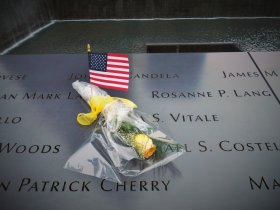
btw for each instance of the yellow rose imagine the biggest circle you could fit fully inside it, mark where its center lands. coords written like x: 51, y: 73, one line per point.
x: 143, y: 145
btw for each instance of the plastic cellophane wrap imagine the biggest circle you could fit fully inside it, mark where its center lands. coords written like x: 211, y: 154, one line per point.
x: 124, y: 141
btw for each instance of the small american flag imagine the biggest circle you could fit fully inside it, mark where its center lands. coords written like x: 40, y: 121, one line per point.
x: 109, y: 70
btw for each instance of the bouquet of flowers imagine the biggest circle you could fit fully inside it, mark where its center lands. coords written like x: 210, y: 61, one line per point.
x: 124, y: 141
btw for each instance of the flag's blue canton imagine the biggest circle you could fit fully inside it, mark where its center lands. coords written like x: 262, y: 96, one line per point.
x: 98, y: 61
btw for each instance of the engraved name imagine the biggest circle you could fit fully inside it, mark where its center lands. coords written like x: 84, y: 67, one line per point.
x: 30, y: 185
x: 243, y: 93
x: 10, y: 120
x: 254, y: 74
x: 12, y: 76
x: 74, y: 76
x: 264, y: 183
x: 154, y: 76
x: 209, y: 94
x: 154, y: 185
x: 177, y: 94
x: 225, y: 146
x: 16, y: 148
x: 230, y: 146
x: 178, y: 117
x: 39, y: 96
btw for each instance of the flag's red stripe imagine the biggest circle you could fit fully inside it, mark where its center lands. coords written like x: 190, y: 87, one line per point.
x: 109, y: 87
x: 109, y: 76
x: 118, y: 55
x: 114, y: 60
x: 118, y: 72
x: 109, y: 81
x: 117, y: 66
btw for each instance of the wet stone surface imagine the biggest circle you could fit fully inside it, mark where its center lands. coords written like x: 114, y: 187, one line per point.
x: 132, y: 36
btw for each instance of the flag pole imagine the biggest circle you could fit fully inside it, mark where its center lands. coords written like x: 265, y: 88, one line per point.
x: 88, y: 48
x: 89, y: 54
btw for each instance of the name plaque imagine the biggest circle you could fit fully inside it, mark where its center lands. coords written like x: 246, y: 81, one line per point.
x: 223, y: 108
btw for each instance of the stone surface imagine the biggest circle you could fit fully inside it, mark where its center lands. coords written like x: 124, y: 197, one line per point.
x: 229, y: 126
x: 21, y: 17
x: 131, y: 36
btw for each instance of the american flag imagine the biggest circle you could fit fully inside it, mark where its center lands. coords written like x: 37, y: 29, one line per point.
x: 109, y: 70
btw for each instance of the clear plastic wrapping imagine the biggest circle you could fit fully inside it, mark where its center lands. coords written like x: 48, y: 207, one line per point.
x: 124, y: 142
